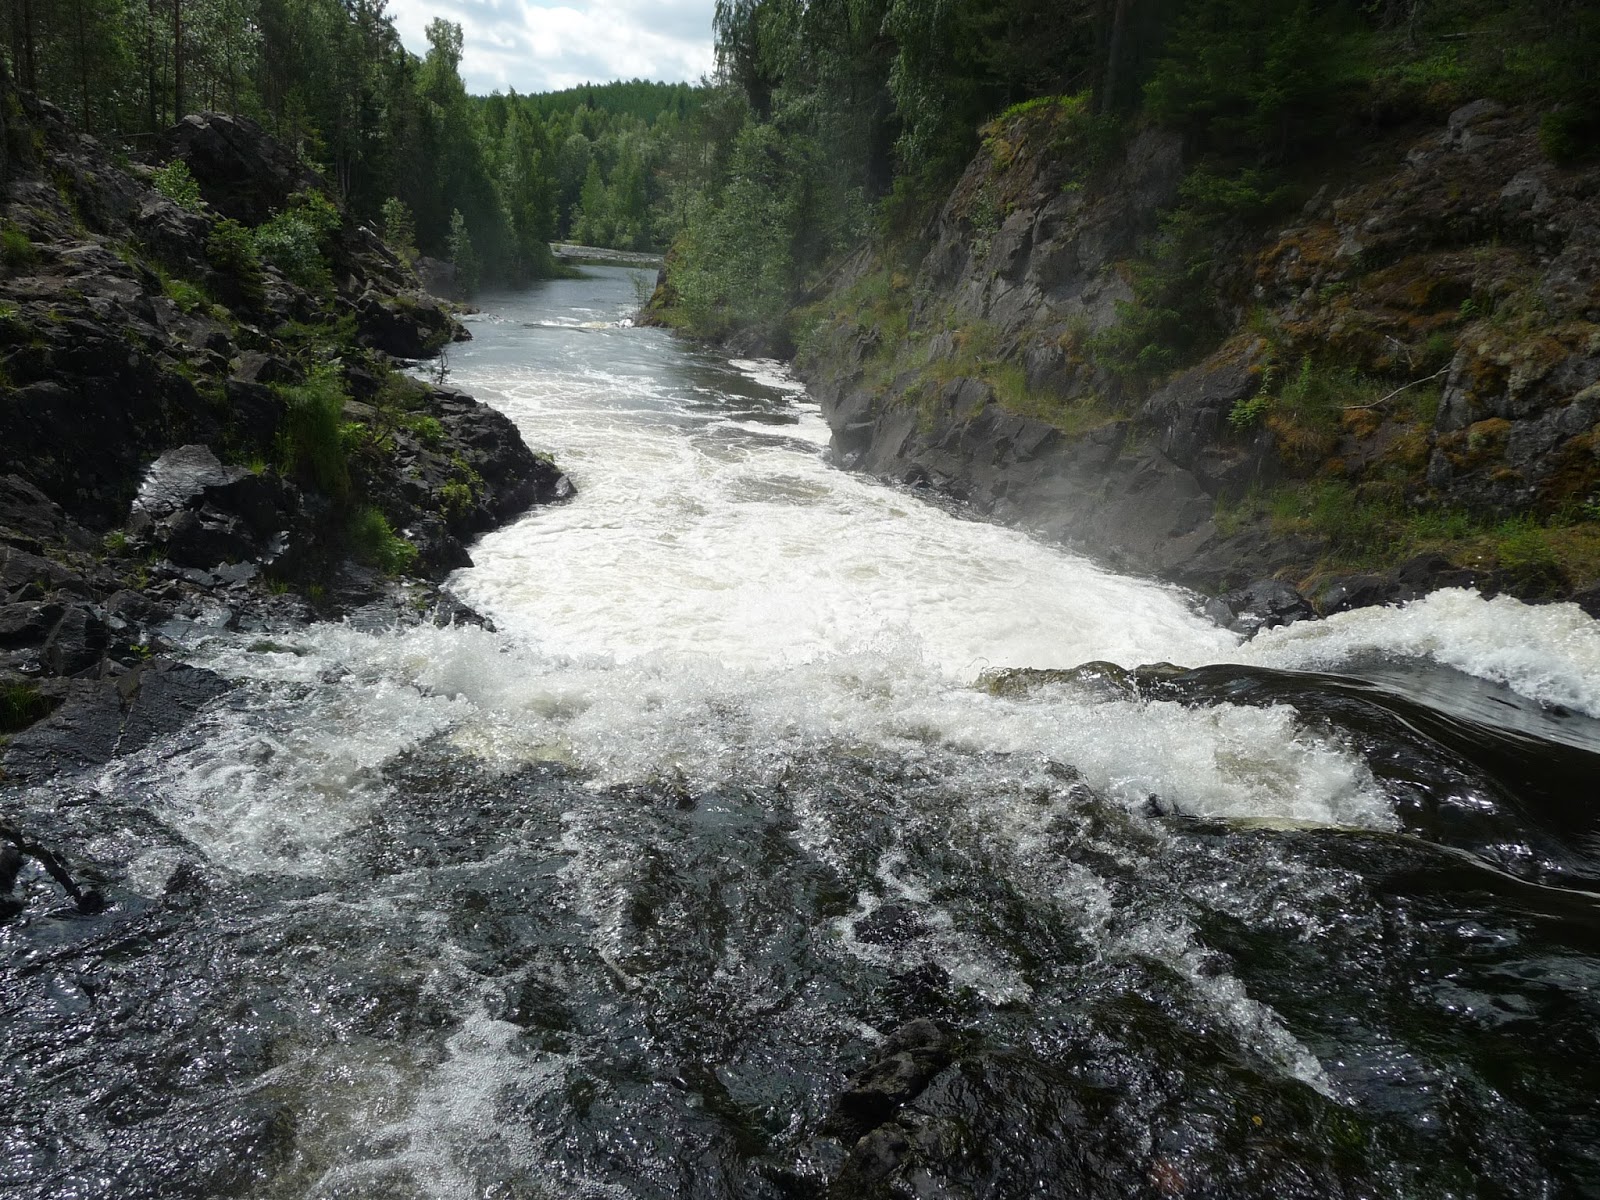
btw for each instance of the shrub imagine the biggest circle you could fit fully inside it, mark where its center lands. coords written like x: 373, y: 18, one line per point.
x: 296, y: 240
x: 176, y: 183
x: 375, y: 542
x: 310, y: 444
x: 428, y: 429
x: 1247, y: 411
x: 455, y: 498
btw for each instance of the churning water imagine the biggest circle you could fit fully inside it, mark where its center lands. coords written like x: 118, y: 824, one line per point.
x: 616, y: 900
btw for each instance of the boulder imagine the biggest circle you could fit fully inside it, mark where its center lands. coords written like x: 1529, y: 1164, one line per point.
x: 1264, y: 604
x: 908, y: 1059
x: 1344, y: 592
x: 203, y: 513
x: 243, y: 172
x: 406, y: 326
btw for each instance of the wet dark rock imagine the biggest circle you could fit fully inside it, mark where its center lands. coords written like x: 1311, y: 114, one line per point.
x: 202, y: 513
x: 1265, y: 604
x: 102, y: 719
x: 890, y: 924
x: 1589, y: 600
x: 1429, y: 572
x: 908, y: 1059
x: 1345, y: 592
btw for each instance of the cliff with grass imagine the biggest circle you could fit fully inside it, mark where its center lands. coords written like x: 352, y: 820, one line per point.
x: 1378, y: 375
x: 205, y: 411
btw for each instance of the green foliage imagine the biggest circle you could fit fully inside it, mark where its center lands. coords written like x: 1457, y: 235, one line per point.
x: 231, y: 249
x: 427, y: 428
x: 296, y: 240
x: 311, y: 446
x: 455, y: 498
x: 17, y: 251
x: 374, y: 542
x: 185, y: 295
x: 1568, y: 134
x: 1249, y: 411
x: 1175, y: 313
x: 463, y: 255
x: 176, y: 183
x: 399, y: 229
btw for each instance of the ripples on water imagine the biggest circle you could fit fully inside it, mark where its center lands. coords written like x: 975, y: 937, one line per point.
x: 612, y: 902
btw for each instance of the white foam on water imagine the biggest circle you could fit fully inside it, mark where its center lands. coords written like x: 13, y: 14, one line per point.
x: 277, y: 778
x: 769, y: 372
x: 1548, y: 652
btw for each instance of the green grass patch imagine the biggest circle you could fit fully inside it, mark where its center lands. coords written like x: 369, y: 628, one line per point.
x: 184, y: 294
x: 1372, y: 528
x: 427, y: 428
x: 311, y: 445
x: 17, y: 250
x: 20, y: 706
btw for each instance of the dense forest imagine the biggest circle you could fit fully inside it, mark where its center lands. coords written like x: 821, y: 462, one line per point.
x: 397, y: 136
x: 838, y: 121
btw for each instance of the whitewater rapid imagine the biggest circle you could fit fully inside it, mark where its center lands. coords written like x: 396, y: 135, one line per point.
x: 719, y: 600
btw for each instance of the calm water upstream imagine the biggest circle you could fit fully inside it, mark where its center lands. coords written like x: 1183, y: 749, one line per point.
x: 616, y: 901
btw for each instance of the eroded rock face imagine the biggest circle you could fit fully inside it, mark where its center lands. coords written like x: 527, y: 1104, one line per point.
x: 1465, y: 275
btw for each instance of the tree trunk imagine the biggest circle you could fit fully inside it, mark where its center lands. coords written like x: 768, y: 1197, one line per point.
x: 177, y: 60
x: 1119, y: 35
x: 84, y: 116
x: 29, y: 65
x: 151, y: 83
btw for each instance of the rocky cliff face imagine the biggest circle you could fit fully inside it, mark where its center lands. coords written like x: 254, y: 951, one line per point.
x: 1404, y: 372
x: 185, y: 431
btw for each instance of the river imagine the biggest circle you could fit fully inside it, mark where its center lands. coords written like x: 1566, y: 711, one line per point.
x: 615, y: 900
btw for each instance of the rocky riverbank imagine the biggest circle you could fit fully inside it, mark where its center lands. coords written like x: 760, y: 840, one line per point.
x: 1394, y: 389
x: 203, y: 425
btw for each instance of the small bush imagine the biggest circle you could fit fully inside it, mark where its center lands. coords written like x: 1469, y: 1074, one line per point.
x: 232, y: 250
x: 399, y: 230
x: 375, y: 542
x: 184, y: 294
x: 455, y: 498
x: 1567, y: 135
x: 176, y: 183
x: 311, y: 447
x: 428, y: 429
x: 1247, y: 411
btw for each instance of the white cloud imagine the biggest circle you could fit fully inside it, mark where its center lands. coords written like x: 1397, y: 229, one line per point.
x: 537, y: 48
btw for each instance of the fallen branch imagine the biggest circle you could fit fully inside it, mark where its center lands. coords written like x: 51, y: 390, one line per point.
x: 1396, y: 392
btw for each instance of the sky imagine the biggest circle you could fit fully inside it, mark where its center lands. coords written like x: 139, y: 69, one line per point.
x: 549, y: 45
